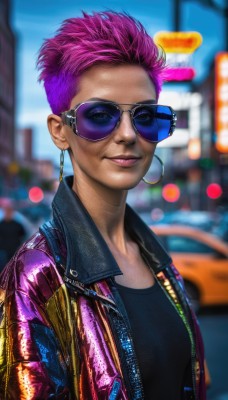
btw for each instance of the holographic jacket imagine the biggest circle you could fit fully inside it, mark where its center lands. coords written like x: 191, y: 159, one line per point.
x: 64, y: 332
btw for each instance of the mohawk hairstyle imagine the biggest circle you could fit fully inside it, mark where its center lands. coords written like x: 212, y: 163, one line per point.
x: 80, y: 43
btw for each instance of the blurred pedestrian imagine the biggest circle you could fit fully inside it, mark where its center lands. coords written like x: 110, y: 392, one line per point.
x: 12, y: 234
x: 94, y: 308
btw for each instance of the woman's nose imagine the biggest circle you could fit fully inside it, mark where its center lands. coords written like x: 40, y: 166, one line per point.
x: 125, y: 131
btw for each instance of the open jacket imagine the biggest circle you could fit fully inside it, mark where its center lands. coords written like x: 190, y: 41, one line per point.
x: 64, y: 331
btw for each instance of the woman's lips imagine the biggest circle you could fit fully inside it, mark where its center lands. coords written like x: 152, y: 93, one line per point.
x: 125, y: 161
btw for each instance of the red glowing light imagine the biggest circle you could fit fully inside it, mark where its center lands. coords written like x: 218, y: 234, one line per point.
x: 171, y: 192
x: 214, y: 191
x: 36, y: 194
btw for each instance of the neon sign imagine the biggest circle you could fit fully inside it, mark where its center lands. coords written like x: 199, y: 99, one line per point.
x: 221, y: 101
x: 178, y: 42
x: 180, y: 74
x: 179, y: 46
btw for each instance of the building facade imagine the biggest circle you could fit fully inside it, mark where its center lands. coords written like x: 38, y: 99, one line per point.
x: 7, y: 88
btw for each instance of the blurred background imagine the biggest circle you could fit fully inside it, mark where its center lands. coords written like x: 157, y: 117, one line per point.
x: 193, y: 194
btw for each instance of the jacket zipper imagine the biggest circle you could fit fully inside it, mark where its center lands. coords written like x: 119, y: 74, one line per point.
x: 118, y: 305
x: 122, y: 359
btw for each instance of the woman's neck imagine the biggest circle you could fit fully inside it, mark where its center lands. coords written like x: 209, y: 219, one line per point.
x: 107, y: 209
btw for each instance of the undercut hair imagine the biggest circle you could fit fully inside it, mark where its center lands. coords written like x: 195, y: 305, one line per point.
x: 100, y: 38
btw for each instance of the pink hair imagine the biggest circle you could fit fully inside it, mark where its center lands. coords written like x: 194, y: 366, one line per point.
x: 80, y: 43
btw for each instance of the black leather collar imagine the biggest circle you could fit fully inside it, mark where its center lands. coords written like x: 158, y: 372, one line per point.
x: 88, y: 256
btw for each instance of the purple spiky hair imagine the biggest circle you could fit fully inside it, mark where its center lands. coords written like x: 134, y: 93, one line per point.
x: 100, y: 38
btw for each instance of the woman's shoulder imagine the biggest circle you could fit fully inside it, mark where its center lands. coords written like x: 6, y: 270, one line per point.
x: 32, y: 268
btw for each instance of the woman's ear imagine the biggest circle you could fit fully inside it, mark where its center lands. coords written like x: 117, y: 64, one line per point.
x: 57, y: 131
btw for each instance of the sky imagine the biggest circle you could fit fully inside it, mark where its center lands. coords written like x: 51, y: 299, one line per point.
x: 33, y: 21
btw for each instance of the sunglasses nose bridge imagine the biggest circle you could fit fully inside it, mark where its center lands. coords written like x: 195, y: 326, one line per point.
x: 130, y: 114
x: 126, y: 132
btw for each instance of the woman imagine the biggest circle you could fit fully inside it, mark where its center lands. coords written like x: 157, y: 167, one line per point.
x: 92, y: 306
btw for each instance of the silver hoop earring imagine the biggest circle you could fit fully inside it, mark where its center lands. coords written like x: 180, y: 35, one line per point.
x: 62, y: 154
x: 147, y: 180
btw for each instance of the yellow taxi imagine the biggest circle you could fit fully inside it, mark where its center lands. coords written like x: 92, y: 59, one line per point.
x: 202, y: 260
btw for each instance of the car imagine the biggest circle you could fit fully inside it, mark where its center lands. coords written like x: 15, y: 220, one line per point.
x: 202, y: 260
x: 213, y: 222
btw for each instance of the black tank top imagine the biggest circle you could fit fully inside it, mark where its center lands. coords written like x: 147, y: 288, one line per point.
x: 161, y: 340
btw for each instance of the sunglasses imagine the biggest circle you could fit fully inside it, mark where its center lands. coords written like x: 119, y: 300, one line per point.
x: 95, y: 120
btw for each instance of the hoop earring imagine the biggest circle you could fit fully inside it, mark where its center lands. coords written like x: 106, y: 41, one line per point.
x: 62, y: 154
x: 148, y: 181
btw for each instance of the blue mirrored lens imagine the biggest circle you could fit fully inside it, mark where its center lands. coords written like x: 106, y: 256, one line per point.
x: 153, y: 122
x: 96, y: 120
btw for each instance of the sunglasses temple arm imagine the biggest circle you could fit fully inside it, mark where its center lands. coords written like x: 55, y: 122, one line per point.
x: 69, y: 119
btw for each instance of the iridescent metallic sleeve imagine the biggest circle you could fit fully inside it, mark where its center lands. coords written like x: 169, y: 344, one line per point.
x: 33, y: 361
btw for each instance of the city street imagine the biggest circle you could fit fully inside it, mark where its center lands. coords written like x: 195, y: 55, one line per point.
x: 105, y: 113
x: 214, y: 326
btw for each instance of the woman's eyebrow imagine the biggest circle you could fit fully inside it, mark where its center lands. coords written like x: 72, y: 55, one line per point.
x: 151, y: 101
